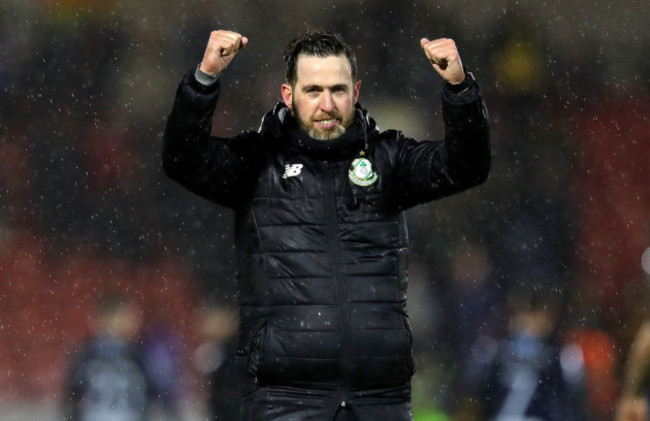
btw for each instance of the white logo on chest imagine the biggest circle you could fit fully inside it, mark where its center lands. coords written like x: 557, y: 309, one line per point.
x: 291, y: 170
x: 361, y: 172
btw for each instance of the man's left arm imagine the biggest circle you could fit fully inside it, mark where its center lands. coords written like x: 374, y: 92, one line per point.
x: 467, y: 135
x: 430, y: 170
x: 467, y: 132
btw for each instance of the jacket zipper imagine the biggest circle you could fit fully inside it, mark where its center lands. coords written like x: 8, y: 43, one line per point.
x: 337, y: 264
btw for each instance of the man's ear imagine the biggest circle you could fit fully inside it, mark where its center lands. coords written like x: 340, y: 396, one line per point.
x: 286, y: 95
x: 357, y: 88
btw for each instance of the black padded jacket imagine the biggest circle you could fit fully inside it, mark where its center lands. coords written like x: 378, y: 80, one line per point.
x: 320, y: 235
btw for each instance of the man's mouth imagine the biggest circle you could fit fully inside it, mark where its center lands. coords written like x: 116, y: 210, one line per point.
x: 327, y: 124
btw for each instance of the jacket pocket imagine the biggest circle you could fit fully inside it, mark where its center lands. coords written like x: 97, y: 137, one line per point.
x: 407, y: 330
x: 408, y: 333
x: 258, y: 348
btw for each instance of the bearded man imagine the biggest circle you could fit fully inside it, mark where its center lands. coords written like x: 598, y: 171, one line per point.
x: 319, y: 195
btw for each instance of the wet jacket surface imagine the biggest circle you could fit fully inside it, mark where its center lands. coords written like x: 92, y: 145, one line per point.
x: 322, y: 244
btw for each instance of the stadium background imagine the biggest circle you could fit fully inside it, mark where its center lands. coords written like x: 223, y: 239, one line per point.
x: 85, y: 87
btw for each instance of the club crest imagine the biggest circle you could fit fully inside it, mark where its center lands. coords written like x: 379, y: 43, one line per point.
x: 361, y: 172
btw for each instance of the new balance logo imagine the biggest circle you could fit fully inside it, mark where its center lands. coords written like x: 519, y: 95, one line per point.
x: 291, y: 170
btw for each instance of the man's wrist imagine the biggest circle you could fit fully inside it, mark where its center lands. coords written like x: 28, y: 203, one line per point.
x: 458, y: 88
x: 203, y: 78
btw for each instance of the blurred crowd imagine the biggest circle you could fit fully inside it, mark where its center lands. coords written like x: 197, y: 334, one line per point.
x: 85, y: 212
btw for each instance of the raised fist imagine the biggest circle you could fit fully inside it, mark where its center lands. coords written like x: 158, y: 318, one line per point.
x: 220, y: 51
x: 444, y: 57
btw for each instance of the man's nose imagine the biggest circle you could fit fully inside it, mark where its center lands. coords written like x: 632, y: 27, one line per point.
x: 326, y: 103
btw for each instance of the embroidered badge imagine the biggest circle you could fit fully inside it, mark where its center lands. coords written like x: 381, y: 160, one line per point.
x: 361, y: 172
x: 291, y: 170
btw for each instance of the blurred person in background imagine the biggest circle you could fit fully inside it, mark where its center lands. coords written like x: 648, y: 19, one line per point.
x: 107, y: 379
x: 529, y: 375
x: 319, y: 193
x: 161, y: 353
x: 215, y: 359
x: 471, y: 304
x: 633, y: 401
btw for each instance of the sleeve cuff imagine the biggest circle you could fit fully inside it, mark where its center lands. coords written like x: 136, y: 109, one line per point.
x: 204, y: 78
x: 462, y: 92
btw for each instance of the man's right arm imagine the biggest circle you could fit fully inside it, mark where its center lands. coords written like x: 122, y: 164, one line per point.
x: 206, y: 165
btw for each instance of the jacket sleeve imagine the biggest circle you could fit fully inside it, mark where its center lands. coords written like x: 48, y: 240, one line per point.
x: 217, y: 169
x: 430, y: 170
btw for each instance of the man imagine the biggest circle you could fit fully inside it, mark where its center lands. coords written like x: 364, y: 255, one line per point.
x: 318, y: 194
x: 527, y: 374
x: 107, y: 377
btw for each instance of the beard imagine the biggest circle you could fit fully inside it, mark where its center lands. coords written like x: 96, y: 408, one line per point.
x: 318, y: 133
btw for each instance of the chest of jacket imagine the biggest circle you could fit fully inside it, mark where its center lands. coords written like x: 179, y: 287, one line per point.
x: 360, y: 186
x: 313, y: 219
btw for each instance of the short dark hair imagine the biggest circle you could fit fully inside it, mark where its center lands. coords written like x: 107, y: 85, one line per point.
x: 320, y: 44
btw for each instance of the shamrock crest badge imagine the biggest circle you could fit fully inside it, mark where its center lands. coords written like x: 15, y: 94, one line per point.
x: 361, y: 172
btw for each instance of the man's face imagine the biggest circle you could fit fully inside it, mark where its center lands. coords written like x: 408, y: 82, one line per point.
x: 324, y: 95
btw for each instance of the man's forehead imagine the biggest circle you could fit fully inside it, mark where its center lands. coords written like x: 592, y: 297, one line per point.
x: 331, y: 63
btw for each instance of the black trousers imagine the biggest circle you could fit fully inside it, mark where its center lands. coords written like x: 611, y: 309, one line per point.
x: 283, y: 403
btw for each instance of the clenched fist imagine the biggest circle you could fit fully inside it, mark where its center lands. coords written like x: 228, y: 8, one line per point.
x: 444, y: 57
x: 220, y: 51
